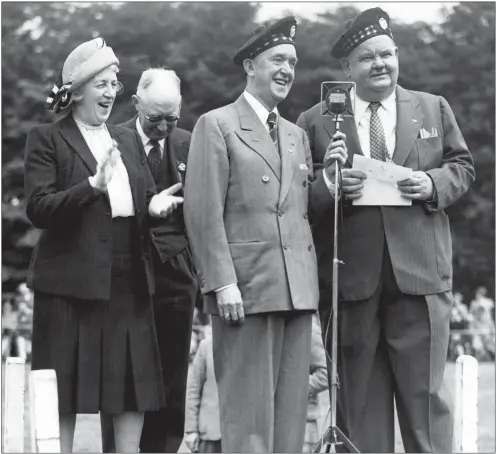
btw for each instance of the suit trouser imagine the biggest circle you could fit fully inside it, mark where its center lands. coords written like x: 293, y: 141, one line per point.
x: 262, y: 370
x: 210, y: 446
x: 176, y: 291
x: 393, y: 346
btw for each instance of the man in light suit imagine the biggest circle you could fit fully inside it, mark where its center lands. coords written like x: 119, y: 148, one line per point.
x: 246, y: 211
x: 395, y: 283
x: 158, y: 103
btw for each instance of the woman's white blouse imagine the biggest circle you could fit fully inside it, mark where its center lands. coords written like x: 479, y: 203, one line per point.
x: 99, y: 140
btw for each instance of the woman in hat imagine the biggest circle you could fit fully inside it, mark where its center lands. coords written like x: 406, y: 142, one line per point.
x: 89, y: 188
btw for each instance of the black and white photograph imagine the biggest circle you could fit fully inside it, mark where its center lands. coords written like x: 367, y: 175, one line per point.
x: 252, y: 227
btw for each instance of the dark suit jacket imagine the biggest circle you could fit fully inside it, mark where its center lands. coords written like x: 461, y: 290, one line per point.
x: 246, y: 209
x: 73, y: 255
x: 169, y: 235
x: 418, y: 237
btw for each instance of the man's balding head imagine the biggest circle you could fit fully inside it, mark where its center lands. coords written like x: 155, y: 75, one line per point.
x: 158, y: 101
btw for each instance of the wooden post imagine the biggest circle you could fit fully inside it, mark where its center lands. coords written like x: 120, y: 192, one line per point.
x: 466, y: 405
x: 13, y: 421
x: 44, y: 405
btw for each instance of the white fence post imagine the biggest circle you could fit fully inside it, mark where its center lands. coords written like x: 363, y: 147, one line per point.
x: 13, y: 421
x: 466, y: 405
x: 44, y: 406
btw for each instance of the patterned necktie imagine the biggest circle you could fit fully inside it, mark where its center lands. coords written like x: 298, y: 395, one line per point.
x: 154, y: 158
x: 272, y: 122
x: 378, y: 148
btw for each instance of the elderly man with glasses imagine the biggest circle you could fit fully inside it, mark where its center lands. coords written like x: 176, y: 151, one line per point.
x: 158, y: 103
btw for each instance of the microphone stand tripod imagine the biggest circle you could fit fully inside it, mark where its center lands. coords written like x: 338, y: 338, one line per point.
x: 333, y: 435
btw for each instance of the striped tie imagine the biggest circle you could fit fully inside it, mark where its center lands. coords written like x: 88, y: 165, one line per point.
x: 378, y: 148
x: 272, y: 122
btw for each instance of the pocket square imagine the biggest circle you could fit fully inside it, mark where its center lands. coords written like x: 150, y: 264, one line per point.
x: 424, y: 134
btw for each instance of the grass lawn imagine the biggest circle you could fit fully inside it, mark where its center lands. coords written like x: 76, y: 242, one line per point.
x: 88, y: 436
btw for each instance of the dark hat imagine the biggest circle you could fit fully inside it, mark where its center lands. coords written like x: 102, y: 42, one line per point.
x: 266, y: 36
x: 372, y: 22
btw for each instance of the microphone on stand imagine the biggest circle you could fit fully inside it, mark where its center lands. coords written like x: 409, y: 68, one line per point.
x: 337, y: 101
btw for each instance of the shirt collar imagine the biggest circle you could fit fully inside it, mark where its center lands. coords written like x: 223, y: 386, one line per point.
x: 144, y: 138
x: 361, y: 106
x: 258, y: 107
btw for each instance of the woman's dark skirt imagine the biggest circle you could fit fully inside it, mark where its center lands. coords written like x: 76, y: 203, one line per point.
x: 105, y: 353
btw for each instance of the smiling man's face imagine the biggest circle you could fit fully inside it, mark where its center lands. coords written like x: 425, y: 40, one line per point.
x: 273, y: 73
x: 373, y: 66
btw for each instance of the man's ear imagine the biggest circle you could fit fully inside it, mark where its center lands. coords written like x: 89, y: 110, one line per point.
x: 135, y: 101
x: 345, y: 64
x: 249, y: 67
x: 179, y: 108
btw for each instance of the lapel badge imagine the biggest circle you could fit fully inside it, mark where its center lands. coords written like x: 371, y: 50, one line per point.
x: 181, y: 170
x: 290, y: 149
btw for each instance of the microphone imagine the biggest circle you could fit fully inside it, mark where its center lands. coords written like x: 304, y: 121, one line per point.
x: 336, y: 100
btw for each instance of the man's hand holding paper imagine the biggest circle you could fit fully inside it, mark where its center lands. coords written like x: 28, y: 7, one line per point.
x: 418, y: 187
x: 386, y: 183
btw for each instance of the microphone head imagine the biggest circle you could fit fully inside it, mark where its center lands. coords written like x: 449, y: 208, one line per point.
x: 336, y: 100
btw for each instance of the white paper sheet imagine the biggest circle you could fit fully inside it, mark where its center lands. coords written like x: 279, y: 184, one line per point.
x: 380, y: 186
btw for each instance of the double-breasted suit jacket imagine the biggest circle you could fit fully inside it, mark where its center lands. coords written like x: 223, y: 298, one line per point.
x: 74, y: 254
x: 418, y: 237
x: 253, y: 206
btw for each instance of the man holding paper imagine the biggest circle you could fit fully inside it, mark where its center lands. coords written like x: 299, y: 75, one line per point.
x: 395, y: 283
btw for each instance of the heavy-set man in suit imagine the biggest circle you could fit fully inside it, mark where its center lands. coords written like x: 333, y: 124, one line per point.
x: 246, y: 211
x: 158, y: 103
x: 395, y: 284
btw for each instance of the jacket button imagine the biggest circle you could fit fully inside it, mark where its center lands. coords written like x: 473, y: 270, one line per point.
x: 280, y: 213
x: 152, y: 235
x: 305, y: 184
x: 309, y: 247
x: 305, y: 216
x: 265, y: 178
x: 285, y: 246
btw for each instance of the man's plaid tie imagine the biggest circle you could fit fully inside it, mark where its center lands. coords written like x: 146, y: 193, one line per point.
x: 154, y: 158
x: 272, y: 122
x: 378, y: 148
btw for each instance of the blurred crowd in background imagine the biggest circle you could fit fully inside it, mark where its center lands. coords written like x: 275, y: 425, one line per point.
x: 17, y: 323
x: 472, y: 325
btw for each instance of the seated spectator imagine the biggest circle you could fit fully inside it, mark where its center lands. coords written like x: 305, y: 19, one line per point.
x: 460, y: 343
x: 483, y: 341
x: 9, y: 329
x: 481, y: 300
x: 25, y: 328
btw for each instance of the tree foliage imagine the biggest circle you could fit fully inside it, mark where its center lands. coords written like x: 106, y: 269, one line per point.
x: 454, y: 59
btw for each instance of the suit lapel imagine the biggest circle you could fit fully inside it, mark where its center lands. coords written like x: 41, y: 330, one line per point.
x: 286, y: 148
x: 255, y: 136
x: 75, y: 139
x: 409, y: 119
x: 178, y: 154
x: 348, y: 127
